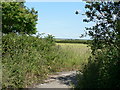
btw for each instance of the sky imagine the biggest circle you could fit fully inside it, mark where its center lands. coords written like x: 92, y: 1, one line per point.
x: 59, y: 19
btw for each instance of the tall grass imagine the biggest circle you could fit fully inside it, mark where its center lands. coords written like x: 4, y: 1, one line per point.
x: 74, y: 55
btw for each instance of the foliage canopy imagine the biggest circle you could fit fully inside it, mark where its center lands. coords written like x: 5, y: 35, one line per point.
x: 106, y: 15
x: 102, y: 70
x: 16, y: 17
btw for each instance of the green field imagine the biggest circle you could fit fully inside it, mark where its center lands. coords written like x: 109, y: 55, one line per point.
x: 74, y: 55
x: 82, y: 41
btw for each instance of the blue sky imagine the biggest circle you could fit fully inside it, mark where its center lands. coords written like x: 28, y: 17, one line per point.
x: 59, y: 18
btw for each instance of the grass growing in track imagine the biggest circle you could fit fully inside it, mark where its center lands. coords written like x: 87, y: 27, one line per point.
x: 74, y: 55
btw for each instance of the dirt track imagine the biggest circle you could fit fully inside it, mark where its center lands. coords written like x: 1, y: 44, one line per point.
x: 61, y: 80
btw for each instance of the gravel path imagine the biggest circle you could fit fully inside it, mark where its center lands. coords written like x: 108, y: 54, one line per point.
x: 61, y: 80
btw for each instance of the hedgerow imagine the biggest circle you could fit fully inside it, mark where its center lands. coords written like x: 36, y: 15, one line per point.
x: 27, y: 59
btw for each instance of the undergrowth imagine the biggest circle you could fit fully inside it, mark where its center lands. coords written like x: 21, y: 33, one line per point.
x: 27, y: 59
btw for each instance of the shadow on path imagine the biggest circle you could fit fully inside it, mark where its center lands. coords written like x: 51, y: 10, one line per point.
x: 67, y: 80
x: 60, y: 80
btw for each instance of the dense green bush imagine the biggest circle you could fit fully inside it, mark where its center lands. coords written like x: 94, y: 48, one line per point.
x: 27, y: 59
x: 103, y: 68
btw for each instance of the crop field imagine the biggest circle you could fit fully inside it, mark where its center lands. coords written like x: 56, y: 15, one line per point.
x: 74, y: 55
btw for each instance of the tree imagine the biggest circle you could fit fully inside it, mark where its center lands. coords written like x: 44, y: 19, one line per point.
x: 16, y: 17
x: 106, y: 15
x: 103, y: 67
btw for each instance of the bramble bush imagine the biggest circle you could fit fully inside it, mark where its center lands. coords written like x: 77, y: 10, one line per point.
x: 27, y: 59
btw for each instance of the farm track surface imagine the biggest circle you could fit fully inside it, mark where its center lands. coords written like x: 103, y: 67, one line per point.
x: 60, y: 80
